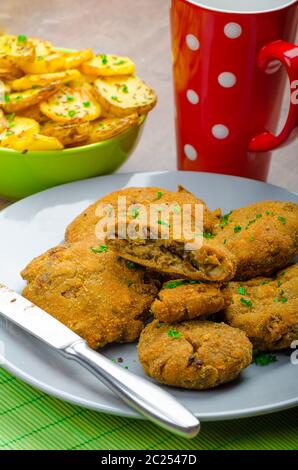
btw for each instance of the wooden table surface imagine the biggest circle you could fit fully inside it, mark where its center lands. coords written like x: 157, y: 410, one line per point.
x: 140, y: 29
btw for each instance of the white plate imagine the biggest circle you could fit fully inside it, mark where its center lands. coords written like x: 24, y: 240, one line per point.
x: 37, y: 223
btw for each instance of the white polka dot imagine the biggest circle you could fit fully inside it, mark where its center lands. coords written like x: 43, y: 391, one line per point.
x: 273, y: 66
x: 190, y: 152
x: 192, y: 97
x: 227, y: 79
x: 192, y: 42
x: 232, y: 30
x: 220, y: 131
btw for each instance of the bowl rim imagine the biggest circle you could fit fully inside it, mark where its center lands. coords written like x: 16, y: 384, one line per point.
x: 79, y: 148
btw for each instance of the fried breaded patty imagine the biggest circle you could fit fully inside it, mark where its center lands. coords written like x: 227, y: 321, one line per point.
x: 95, y: 294
x: 266, y: 309
x: 211, y: 262
x: 263, y: 237
x: 195, y: 355
x: 84, y: 226
x: 182, y: 299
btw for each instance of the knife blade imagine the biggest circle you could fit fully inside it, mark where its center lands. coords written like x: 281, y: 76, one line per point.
x: 145, y: 397
x: 34, y: 320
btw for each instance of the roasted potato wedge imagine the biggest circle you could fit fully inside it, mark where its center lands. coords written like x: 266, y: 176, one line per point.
x: 104, y: 129
x: 45, y: 64
x: 41, y: 80
x: 18, y: 134
x: 122, y: 96
x: 75, y: 59
x: 42, y: 47
x: 67, y: 134
x: 4, y: 90
x: 57, y: 61
x: 72, y: 105
x: 10, y: 72
x: 15, y: 50
x: 21, y: 100
x: 33, y: 112
x: 44, y: 142
x: 107, y: 65
x: 3, y: 121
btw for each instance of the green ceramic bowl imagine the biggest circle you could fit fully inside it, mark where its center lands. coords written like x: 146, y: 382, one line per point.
x: 25, y: 174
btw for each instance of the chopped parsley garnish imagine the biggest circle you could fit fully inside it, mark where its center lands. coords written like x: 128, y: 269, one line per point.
x: 161, y: 222
x: 158, y: 324
x: 264, y: 282
x: 114, y: 98
x: 69, y: 98
x: 7, y: 99
x: 125, y: 89
x: 22, y: 38
x: 225, y: 241
x: 120, y: 62
x: 176, y: 209
x: 86, y: 104
x: 179, y: 282
x: 131, y: 264
x: 241, y: 290
x: 19, y: 97
x: 134, y: 213
x: 259, y: 216
x: 8, y: 133
x: 174, y: 334
x: 262, y: 359
x: 225, y: 219
x: 208, y: 235
x: 159, y: 195
x: 248, y: 303
x: 282, y: 299
x: 10, y: 117
x: 72, y: 112
x: 34, y: 87
x: 129, y: 283
x: 279, y: 283
x: 252, y: 239
x: 104, y: 59
x: 282, y: 219
x: 40, y: 57
x: 237, y: 229
x: 100, y: 249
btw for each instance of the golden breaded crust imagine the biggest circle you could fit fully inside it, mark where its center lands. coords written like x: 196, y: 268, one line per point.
x: 95, y: 294
x: 84, y: 226
x: 195, y: 354
x: 266, y: 309
x: 181, y: 300
x: 263, y: 237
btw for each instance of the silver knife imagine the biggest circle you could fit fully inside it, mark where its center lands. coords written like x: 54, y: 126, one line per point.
x: 148, y: 399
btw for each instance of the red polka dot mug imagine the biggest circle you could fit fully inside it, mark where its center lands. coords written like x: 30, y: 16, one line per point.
x: 231, y: 61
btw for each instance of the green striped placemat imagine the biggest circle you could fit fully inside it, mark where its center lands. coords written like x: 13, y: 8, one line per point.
x: 30, y: 419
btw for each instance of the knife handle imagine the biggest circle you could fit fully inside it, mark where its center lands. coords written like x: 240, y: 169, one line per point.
x: 145, y: 397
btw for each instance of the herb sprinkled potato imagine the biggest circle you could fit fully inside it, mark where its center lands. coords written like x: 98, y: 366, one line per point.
x: 71, y: 105
x: 40, y: 80
x: 107, y: 65
x: 121, y: 96
x: 18, y: 133
x: 20, y: 100
x: 105, y: 129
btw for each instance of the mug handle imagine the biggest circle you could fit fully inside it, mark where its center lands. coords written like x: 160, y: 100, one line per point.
x: 287, y: 54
